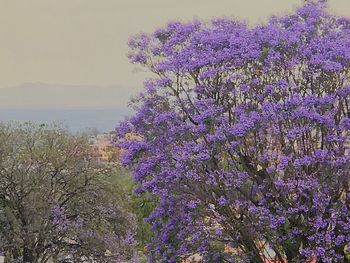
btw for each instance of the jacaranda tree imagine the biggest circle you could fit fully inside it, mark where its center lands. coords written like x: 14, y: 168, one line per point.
x: 243, y: 136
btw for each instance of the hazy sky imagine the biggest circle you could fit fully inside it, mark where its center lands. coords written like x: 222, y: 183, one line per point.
x: 83, y: 42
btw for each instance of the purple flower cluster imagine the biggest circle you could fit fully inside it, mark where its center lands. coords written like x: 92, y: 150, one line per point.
x: 243, y: 135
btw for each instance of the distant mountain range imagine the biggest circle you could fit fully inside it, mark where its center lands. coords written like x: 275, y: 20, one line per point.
x: 82, y: 119
x: 80, y: 108
x: 41, y: 95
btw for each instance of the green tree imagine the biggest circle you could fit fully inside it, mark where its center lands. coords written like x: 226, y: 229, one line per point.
x: 141, y: 205
x: 56, y: 200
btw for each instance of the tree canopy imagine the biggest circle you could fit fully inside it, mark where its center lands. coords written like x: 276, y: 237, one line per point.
x: 56, y: 201
x: 243, y: 135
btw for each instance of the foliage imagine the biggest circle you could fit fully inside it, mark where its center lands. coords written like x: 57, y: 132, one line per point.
x: 243, y: 134
x: 56, y: 202
x: 140, y: 205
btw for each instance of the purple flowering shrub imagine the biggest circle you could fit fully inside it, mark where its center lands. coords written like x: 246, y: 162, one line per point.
x: 243, y: 135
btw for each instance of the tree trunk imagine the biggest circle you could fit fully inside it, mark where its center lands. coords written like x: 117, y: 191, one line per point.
x: 252, y: 250
x: 28, y: 256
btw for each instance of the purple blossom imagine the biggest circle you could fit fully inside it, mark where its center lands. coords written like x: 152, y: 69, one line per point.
x: 253, y: 125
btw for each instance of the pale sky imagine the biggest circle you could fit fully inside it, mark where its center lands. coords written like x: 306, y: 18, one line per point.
x: 83, y: 42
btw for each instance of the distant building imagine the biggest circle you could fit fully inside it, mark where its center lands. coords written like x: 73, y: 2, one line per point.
x: 104, y: 148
